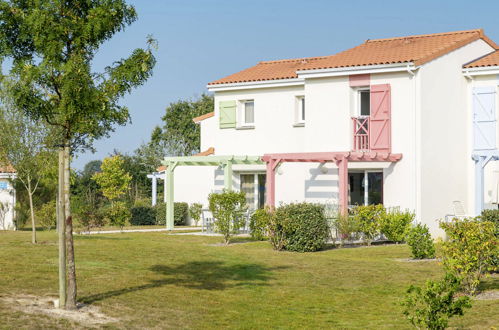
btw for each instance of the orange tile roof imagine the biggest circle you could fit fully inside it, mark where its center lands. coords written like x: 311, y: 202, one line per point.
x: 491, y: 59
x: 203, y: 117
x: 207, y: 152
x: 417, y: 49
x: 7, y: 169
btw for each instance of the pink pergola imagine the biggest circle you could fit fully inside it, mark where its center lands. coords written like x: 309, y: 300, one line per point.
x: 341, y: 160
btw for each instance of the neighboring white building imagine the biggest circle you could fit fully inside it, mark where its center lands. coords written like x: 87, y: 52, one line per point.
x: 7, y: 198
x: 404, y: 99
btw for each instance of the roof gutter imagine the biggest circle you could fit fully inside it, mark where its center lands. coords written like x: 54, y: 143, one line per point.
x: 256, y: 84
x: 481, y: 71
x: 364, y: 69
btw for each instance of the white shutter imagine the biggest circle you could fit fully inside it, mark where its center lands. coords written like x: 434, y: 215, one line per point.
x: 484, y: 118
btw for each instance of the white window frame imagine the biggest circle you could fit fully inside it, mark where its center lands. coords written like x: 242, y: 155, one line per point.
x: 299, y: 120
x: 358, y: 101
x: 241, y: 120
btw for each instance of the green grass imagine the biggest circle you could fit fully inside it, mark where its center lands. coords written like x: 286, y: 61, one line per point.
x: 165, y: 281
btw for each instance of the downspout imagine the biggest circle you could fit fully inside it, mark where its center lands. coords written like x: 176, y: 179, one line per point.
x: 410, y: 71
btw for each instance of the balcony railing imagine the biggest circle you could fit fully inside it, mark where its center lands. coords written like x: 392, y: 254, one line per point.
x: 360, y: 133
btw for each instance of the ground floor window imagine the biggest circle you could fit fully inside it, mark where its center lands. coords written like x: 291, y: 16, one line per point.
x: 365, y: 187
x: 253, y: 185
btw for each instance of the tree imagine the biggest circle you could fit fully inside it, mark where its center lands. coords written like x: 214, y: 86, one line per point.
x: 180, y: 134
x: 52, y: 44
x: 23, y: 146
x: 113, y: 179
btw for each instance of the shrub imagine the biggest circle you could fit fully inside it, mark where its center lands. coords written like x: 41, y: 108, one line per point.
x: 195, y: 212
x: 180, y: 210
x: 46, y: 215
x: 346, y: 227
x: 395, y: 223
x: 491, y: 216
x: 432, y: 306
x: 228, y: 209
x: 470, y: 250
x: 276, y: 232
x: 142, y: 216
x: 86, y: 215
x: 304, y: 226
x: 258, y: 224
x: 369, y: 219
x: 118, y: 214
x: 419, y: 239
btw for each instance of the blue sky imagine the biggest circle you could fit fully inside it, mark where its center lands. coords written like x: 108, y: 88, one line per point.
x: 202, y: 40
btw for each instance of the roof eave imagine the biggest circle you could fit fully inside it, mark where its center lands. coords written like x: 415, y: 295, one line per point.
x: 255, y: 84
x: 363, y: 69
x: 481, y: 70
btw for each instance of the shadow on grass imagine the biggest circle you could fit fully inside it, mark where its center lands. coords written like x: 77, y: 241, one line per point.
x: 199, y: 275
x: 490, y: 283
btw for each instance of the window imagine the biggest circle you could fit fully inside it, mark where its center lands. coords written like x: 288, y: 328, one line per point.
x: 300, y: 111
x: 365, y: 188
x: 247, y: 113
x: 364, y: 102
x: 253, y: 185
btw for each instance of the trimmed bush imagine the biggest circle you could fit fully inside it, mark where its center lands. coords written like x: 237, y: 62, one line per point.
x: 300, y: 227
x: 195, y: 212
x: 228, y: 209
x: 470, y: 250
x: 258, y: 224
x: 432, y: 306
x: 419, y: 239
x: 180, y: 210
x: 143, y: 216
x: 395, y: 223
x: 369, y: 218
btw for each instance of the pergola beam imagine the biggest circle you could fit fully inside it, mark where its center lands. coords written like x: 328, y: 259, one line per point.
x: 341, y: 160
x: 225, y: 161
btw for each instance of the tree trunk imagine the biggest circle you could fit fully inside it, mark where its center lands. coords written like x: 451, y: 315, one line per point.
x: 32, y: 212
x: 71, y: 294
x: 61, y: 228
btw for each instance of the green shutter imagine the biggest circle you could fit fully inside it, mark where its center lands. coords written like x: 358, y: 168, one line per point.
x: 227, y: 114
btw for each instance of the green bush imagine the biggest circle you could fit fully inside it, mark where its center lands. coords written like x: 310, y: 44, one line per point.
x: 432, y: 306
x: 228, y: 209
x: 470, y: 250
x: 46, y: 215
x: 346, y: 226
x: 259, y: 222
x: 195, y: 212
x: 180, y: 210
x: 86, y: 216
x: 491, y: 216
x: 142, y: 216
x: 118, y: 214
x: 301, y: 227
x: 369, y: 219
x: 395, y: 223
x: 419, y: 239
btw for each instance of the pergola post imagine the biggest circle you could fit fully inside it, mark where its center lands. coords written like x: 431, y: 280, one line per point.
x: 343, y: 184
x: 228, y: 175
x: 169, y: 195
x: 480, y: 163
x: 154, y: 189
x: 272, y: 165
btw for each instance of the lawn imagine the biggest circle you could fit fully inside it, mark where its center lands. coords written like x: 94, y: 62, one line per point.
x: 156, y: 280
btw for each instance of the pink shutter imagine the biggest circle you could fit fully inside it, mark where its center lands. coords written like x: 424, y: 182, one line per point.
x: 380, y: 130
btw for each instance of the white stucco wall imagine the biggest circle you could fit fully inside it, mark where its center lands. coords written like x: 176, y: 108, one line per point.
x: 8, y: 198
x: 444, y: 134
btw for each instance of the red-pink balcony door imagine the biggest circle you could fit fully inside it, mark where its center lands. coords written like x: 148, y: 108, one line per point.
x: 380, y: 135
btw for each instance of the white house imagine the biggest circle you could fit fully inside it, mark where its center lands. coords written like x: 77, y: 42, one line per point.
x: 7, y: 198
x: 389, y: 121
